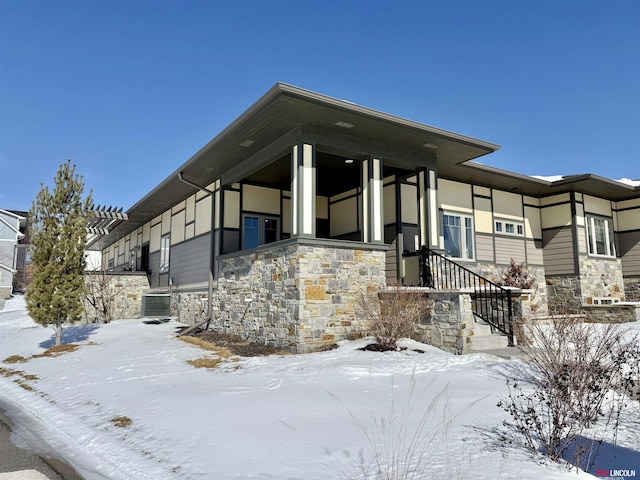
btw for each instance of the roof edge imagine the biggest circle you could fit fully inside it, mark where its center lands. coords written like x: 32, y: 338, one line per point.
x: 354, y: 107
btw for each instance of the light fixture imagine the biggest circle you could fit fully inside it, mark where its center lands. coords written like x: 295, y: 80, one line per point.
x: 348, y: 161
x: 247, y: 143
x: 344, y: 124
x: 430, y: 145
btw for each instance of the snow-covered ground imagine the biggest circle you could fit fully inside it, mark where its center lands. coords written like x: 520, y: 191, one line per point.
x: 276, y: 417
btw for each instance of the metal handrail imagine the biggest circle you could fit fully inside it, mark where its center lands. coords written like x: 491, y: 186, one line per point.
x: 492, y: 303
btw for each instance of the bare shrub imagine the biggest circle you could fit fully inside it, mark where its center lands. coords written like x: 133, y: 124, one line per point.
x: 576, y: 368
x: 517, y: 275
x: 391, y: 314
x: 101, y: 294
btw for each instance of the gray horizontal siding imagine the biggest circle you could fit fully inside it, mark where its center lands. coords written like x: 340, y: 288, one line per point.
x: 534, y: 252
x: 190, y: 261
x: 558, y: 251
x: 509, y: 248
x: 230, y: 241
x: 484, y: 248
x: 629, y: 250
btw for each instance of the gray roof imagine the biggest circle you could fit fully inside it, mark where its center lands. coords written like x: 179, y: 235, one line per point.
x: 285, y: 108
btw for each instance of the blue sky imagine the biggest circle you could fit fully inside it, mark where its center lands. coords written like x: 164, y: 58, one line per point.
x: 129, y: 90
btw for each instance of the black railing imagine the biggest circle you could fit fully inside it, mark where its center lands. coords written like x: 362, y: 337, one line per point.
x: 491, y: 302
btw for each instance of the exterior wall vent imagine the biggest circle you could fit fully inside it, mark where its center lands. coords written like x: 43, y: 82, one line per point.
x: 156, y: 305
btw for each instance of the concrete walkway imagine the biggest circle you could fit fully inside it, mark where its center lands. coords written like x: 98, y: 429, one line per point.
x: 19, y: 464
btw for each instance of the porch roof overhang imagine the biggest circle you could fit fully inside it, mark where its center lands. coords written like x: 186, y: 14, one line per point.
x: 279, y: 112
x: 590, y: 184
x: 285, y: 112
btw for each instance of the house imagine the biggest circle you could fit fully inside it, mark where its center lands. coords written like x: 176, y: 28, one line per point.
x: 278, y: 224
x: 11, y: 255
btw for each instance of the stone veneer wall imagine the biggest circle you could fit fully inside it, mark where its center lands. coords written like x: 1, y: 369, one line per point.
x: 5, y: 292
x: 564, y: 293
x: 449, y: 323
x: 128, y: 288
x: 619, y: 313
x: 601, y: 278
x: 303, y: 295
x: 631, y: 289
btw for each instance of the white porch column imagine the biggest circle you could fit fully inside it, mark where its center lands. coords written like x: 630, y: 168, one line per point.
x: 428, y: 208
x: 303, y: 190
x: 372, y: 211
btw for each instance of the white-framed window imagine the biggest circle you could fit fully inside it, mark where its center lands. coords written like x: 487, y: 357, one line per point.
x: 509, y: 227
x: 165, y: 246
x: 458, y: 236
x: 600, y: 236
x: 259, y: 230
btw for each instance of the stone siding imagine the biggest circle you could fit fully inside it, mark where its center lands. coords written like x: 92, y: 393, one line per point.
x: 449, y: 323
x: 620, y: 313
x: 297, y: 296
x: 632, y: 289
x: 601, y: 278
x: 189, y: 307
x: 598, y: 277
x: 126, y: 289
x: 564, y: 293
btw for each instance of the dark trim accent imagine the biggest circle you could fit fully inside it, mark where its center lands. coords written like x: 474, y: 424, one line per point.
x: 598, y: 215
x: 474, y: 195
x: 567, y: 202
x: 574, y: 234
x: 622, y: 232
x: 330, y: 243
x: 626, y: 209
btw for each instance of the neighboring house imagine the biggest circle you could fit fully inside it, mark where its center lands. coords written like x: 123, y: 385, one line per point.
x: 279, y: 223
x: 11, y: 232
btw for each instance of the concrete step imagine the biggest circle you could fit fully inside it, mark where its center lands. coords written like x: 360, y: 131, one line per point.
x: 488, y: 342
x: 482, y: 329
x: 508, y: 353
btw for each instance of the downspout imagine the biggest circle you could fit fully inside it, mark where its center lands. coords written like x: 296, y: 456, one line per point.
x: 191, y: 184
x: 210, y: 289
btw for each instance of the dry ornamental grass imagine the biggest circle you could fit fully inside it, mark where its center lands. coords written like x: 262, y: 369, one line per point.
x: 121, y: 422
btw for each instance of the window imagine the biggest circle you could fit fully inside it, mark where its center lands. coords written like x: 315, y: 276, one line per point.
x: 165, y: 243
x: 509, y: 228
x: 458, y: 236
x: 259, y: 230
x: 600, y: 236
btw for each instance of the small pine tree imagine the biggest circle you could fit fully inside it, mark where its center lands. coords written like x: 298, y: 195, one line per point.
x: 58, y: 240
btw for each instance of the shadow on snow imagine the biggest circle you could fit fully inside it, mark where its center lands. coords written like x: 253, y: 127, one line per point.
x: 76, y: 333
x: 602, y: 457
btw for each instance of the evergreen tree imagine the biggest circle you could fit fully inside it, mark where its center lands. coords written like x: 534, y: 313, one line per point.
x: 58, y: 239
